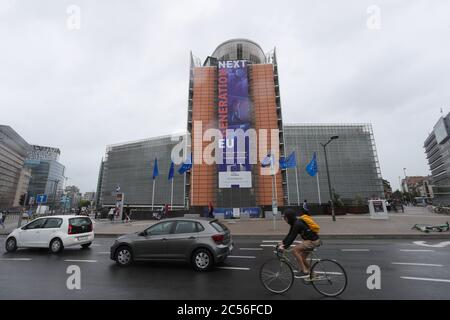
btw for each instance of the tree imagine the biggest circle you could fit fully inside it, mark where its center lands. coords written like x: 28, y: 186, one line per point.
x: 84, y: 203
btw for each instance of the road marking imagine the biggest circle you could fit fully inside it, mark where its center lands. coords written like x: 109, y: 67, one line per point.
x: 355, y: 250
x: 234, y: 268
x: 438, y: 245
x: 426, y: 279
x: 251, y: 249
x: 325, y: 272
x: 418, y: 264
x: 417, y: 250
x: 242, y: 257
x: 273, y: 245
x: 96, y: 245
x: 90, y: 261
x: 16, y: 259
x: 277, y: 241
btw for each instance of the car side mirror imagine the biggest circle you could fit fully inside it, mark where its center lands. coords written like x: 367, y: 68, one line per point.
x: 142, y: 234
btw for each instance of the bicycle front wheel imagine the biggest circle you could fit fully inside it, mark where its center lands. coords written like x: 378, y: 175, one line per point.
x: 328, y: 277
x: 276, y: 276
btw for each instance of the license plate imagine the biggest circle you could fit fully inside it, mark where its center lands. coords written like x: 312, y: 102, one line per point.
x: 82, y: 238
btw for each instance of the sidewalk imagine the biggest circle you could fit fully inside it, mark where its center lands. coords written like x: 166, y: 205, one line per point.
x: 348, y: 226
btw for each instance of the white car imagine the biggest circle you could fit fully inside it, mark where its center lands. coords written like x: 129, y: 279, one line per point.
x: 53, y: 232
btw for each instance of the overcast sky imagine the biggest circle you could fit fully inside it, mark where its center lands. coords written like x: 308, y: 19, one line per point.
x: 124, y: 74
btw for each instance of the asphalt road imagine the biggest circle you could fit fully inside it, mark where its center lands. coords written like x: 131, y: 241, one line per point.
x: 408, y: 271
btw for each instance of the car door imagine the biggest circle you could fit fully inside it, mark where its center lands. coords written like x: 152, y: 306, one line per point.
x: 152, y: 244
x: 50, y: 227
x: 29, y: 235
x: 184, y: 237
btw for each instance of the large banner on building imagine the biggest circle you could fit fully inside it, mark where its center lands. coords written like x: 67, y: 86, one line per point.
x: 234, y: 113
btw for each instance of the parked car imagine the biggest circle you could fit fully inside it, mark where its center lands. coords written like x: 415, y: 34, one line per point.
x: 202, y: 242
x: 53, y: 232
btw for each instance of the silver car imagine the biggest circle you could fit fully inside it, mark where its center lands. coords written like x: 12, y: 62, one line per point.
x: 201, y: 242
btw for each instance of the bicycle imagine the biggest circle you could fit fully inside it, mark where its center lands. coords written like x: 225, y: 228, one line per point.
x: 327, y: 276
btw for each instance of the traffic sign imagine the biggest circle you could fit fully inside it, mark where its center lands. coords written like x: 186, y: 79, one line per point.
x: 41, y: 198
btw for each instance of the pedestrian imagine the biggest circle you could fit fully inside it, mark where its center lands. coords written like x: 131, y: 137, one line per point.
x: 166, y: 211
x: 111, y: 214
x: 126, y: 214
x: 305, y: 207
x: 210, y: 210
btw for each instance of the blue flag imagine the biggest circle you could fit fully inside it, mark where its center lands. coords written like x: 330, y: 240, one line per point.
x: 171, y: 171
x: 312, y: 168
x: 290, y: 162
x: 155, y: 169
x: 186, y: 166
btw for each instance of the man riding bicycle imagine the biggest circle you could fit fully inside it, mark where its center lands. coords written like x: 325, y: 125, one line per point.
x: 311, y: 240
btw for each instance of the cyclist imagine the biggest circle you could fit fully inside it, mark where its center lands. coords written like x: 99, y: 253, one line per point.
x: 310, y: 238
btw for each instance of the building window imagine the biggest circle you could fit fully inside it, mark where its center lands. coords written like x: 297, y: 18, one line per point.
x: 239, y: 51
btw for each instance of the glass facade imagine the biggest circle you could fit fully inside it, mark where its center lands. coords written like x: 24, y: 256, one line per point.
x: 352, y: 160
x: 240, y: 49
x: 13, y: 150
x: 437, y: 149
x: 47, y: 177
x: 130, y: 166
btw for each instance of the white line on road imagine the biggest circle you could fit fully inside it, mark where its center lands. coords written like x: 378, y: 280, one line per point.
x: 16, y: 259
x: 251, y: 249
x: 355, y: 250
x: 438, y: 245
x: 418, y: 264
x: 90, y: 261
x: 417, y: 250
x: 234, y: 268
x: 277, y: 241
x: 242, y: 257
x: 426, y: 279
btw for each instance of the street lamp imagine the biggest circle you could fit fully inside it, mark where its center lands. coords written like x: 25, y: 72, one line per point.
x: 328, y: 174
x: 406, y: 185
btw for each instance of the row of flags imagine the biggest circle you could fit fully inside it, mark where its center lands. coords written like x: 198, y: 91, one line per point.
x: 291, y: 162
x: 186, y: 166
x: 285, y: 163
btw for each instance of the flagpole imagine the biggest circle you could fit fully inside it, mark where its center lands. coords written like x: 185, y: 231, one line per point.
x: 153, y: 194
x: 318, y: 188
x: 296, y: 180
x: 171, y: 196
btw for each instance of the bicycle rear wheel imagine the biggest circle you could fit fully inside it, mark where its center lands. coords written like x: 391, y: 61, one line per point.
x: 328, y: 277
x: 276, y: 275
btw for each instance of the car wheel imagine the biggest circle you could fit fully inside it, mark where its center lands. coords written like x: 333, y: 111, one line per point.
x: 124, y: 256
x: 202, y: 260
x: 11, y: 245
x: 86, y: 245
x: 56, y: 246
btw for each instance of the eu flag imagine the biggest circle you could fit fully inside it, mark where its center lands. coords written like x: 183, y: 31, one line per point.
x: 187, y: 165
x: 290, y: 162
x: 171, y: 171
x: 267, y: 161
x: 311, y: 168
x: 155, y: 169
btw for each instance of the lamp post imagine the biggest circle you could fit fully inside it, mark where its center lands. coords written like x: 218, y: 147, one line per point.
x: 406, y: 185
x: 328, y: 174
